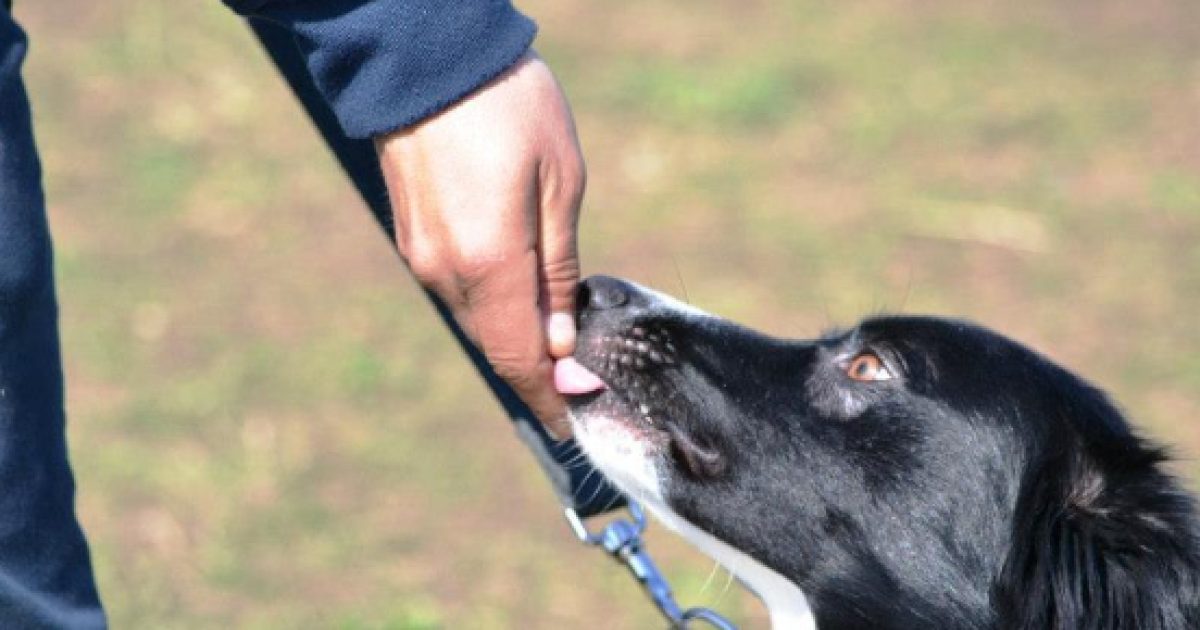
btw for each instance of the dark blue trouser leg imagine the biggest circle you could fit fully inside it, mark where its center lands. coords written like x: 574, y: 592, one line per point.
x: 45, y: 572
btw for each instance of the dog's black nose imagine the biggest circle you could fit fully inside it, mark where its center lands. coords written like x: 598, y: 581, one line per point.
x: 602, y: 293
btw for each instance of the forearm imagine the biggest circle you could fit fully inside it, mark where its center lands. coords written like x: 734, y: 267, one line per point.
x: 387, y: 64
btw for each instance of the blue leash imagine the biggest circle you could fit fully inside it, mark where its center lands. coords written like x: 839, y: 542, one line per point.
x: 622, y: 539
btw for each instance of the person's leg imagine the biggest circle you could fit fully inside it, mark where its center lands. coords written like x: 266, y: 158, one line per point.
x: 45, y: 572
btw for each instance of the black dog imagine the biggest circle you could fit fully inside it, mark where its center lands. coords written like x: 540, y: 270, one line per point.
x: 908, y: 473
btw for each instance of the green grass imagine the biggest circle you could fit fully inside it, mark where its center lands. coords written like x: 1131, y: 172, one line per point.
x: 271, y: 430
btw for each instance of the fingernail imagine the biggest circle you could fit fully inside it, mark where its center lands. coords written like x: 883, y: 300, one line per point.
x: 560, y: 330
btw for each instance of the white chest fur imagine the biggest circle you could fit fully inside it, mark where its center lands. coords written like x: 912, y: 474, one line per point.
x: 629, y: 462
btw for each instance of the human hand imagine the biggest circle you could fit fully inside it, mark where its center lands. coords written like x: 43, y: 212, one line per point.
x: 486, y: 200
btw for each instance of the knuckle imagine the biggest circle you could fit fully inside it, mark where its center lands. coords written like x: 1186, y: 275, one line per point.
x: 561, y: 271
x: 563, y: 180
x: 472, y: 277
x: 428, y: 268
x: 475, y: 271
x: 477, y: 263
x: 577, y: 176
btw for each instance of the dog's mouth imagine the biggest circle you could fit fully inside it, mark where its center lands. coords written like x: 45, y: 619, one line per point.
x: 616, y: 387
x: 619, y: 375
x: 626, y: 386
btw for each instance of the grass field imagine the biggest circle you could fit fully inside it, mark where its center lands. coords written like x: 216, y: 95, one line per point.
x: 269, y: 429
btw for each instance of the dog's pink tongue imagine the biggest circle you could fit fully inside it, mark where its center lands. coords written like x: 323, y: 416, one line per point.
x: 571, y: 378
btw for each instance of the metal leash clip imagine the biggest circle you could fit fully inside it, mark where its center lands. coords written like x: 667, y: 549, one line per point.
x: 623, y: 540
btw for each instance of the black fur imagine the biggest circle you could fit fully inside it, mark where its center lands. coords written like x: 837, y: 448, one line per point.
x: 982, y: 486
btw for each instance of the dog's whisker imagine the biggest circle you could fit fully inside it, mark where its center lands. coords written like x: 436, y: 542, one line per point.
x: 602, y: 485
x: 612, y: 501
x: 586, y: 478
x: 709, y: 580
x: 576, y: 462
x: 725, y: 591
x: 577, y: 465
x: 679, y: 276
x: 576, y: 458
x: 567, y: 447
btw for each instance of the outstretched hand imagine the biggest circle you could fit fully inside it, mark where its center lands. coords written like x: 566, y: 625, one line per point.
x: 486, y: 199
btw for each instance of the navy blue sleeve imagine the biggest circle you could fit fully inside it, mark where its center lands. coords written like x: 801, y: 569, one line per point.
x: 387, y: 64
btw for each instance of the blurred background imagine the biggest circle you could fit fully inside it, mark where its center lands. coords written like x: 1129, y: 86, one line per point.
x: 269, y: 428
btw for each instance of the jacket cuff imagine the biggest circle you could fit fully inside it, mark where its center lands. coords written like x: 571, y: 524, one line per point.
x: 387, y: 64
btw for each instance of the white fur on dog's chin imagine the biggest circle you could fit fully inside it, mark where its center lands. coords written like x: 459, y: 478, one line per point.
x: 624, y: 459
x: 632, y: 464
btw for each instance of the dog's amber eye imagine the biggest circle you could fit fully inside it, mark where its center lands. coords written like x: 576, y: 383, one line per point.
x: 867, y: 367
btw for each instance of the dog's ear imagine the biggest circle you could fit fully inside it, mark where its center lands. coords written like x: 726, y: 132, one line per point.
x: 1102, y: 537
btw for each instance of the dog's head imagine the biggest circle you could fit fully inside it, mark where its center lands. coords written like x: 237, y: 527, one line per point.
x: 886, y: 470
